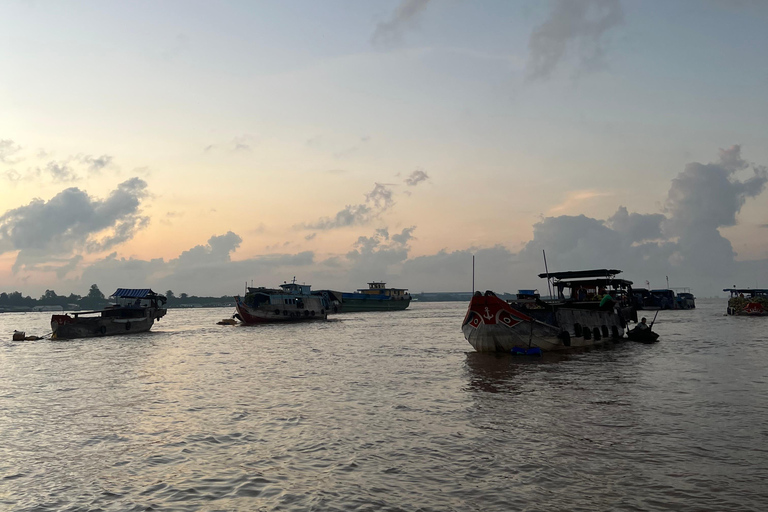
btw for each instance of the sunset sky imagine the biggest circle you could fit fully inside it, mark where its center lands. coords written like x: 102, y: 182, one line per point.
x: 196, y: 146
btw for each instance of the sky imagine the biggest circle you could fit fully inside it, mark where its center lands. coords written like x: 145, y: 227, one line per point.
x: 199, y: 146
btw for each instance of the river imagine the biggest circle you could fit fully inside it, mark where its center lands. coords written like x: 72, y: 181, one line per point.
x: 382, y: 411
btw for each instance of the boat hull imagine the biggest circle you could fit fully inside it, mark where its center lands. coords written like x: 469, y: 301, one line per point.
x: 493, y: 325
x: 312, y: 309
x: 66, y: 327
x: 356, y: 305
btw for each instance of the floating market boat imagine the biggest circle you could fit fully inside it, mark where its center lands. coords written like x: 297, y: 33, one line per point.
x: 747, y: 301
x: 376, y: 298
x: 291, y: 302
x: 577, y: 317
x: 135, y: 310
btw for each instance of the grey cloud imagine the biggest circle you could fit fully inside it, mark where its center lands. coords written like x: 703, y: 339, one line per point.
x: 636, y: 226
x: 61, y: 172
x: 377, y: 201
x: 202, y: 270
x: 71, y: 222
x: 95, y: 164
x: 8, y: 149
x: 573, y: 25
x: 416, y: 177
x: 391, y: 30
x: 710, y: 195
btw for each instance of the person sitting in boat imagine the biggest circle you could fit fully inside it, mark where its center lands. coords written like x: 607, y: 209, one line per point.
x: 643, y: 325
x: 607, y: 302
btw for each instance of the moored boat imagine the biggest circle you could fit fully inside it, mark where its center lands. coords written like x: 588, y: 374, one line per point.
x: 591, y: 307
x: 747, y: 301
x: 291, y: 302
x: 376, y: 298
x: 135, y: 310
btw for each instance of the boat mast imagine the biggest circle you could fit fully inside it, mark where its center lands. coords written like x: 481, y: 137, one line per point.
x: 547, y: 271
x: 473, y: 274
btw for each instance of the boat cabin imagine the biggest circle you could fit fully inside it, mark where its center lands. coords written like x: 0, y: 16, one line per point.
x: 589, y: 286
x: 380, y: 288
x: 747, y: 293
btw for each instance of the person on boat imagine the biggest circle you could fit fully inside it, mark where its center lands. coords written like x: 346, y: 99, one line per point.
x: 581, y: 294
x: 607, y: 302
x: 643, y: 325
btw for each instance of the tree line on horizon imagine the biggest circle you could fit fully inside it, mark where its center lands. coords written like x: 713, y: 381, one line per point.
x: 94, y: 299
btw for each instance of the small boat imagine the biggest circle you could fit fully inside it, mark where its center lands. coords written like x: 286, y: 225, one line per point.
x: 376, y: 298
x: 575, y: 318
x: 291, y: 302
x: 135, y: 310
x: 747, y: 301
x: 643, y: 336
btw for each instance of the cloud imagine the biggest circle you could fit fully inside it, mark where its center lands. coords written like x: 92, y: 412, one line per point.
x: 377, y: 201
x: 710, y: 195
x: 8, y: 149
x: 390, y: 31
x: 206, y: 269
x: 95, y: 164
x: 70, y: 223
x: 635, y: 226
x: 416, y: 177
x: 60, y: 172
x: 572, y: 25
x: 575, y: 198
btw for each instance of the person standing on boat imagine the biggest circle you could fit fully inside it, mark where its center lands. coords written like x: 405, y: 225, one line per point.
x: 607, y: 302
x: 581, y: 293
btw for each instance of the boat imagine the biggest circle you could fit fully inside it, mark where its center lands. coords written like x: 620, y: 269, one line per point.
x: 644, y: 336
x: 685, y: 299
x: 574, y: 318
x: 135, y: 310
x: 376, y: 298
x: 291, y: 302
x: 747, y: 301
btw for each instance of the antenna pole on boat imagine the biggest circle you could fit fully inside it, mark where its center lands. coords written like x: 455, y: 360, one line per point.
x: 667, y: 282
x: 473, y: 275
x: 546, y: 269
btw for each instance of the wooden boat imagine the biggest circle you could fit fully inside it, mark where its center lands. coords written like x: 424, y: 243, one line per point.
x: 573, y: 319
x: 291, y: 302
x: 376, y: 298
x: 135, y: 310
x: 747, y: 301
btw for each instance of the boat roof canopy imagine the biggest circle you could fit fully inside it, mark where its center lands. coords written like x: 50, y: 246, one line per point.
x: 581, y: 274
x: 134, y: 293
x: 604, y: 282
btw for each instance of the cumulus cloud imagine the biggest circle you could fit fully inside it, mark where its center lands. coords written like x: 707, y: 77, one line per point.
x: 578, y: 26
x: 206, y: 269
x: 416, y: 177
x: 377, y: 201
x: 72, y: 222
x: 8, y: 150
x: 390, y: 31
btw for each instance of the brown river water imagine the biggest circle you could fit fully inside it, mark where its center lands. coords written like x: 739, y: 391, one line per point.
x: 382, y: 412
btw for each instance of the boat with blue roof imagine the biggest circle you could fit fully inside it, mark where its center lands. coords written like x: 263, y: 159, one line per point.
x: 376, y: 298
x: 133, y: 310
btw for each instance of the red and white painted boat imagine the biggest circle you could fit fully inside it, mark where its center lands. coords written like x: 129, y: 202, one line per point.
x: 568, y: 322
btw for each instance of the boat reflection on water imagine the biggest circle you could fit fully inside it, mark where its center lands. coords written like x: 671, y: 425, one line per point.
x: 496, y: 372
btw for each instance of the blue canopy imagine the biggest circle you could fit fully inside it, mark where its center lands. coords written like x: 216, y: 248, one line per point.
x: 133, y: 293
